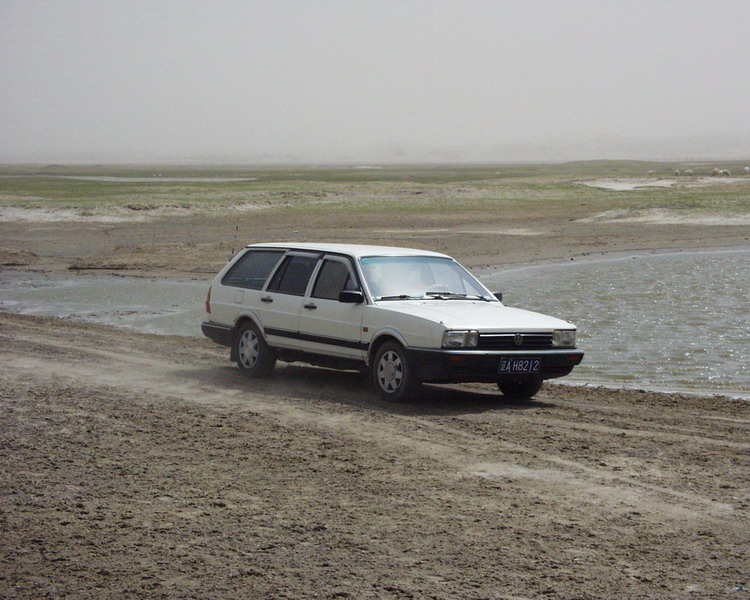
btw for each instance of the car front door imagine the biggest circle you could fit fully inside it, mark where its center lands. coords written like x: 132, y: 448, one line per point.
x: 332, y: 327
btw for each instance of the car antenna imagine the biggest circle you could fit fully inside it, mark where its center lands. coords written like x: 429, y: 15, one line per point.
x: 234, y: 239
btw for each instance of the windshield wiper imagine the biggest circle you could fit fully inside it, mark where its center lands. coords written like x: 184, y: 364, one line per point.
x: 455, y: 295
x: 399, y: 297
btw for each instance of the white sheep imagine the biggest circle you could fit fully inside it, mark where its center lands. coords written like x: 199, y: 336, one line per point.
x: 726, y: 173
x: 746, y: 170
x: 676, y: 173
x: 688, y: 173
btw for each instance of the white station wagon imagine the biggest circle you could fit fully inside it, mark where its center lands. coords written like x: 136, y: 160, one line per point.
x: 406, y: 316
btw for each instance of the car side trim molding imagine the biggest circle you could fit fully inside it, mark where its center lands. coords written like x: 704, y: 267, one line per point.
x: 318, y: 339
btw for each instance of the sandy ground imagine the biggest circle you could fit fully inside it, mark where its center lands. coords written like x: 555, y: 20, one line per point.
x: 137, y: 466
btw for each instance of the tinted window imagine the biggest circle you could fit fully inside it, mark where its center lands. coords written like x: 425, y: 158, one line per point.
x: 333, y: 277
x: 293, y: 275
x: 252, y: 269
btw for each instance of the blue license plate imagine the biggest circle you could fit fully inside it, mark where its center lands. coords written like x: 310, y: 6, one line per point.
x: 513, y: 366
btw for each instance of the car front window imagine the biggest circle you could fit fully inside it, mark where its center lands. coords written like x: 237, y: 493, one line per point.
x: 405, y: 277
x: 334, y: 277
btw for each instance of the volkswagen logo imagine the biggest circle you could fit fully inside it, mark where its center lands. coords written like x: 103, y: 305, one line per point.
x: 518, y: 339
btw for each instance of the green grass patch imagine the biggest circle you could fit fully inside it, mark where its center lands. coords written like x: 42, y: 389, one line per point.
x: 396, y: 190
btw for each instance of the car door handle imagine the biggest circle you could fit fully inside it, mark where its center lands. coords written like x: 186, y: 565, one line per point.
x: 310, y: 306
x: 266, y: 299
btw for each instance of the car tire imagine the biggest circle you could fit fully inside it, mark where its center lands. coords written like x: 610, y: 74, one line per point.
x: 392, y: 374
x: 520, y: 389
x: 254, y: 356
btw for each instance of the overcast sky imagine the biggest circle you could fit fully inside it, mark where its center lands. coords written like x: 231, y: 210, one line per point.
x: 373, y: 80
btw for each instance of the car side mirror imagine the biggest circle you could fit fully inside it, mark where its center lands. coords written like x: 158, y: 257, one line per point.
x: 498, y: 295
x: 351, y: 297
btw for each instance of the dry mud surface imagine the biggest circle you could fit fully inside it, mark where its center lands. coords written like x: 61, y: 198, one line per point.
x: 197, y: 243
x: 138, y: 466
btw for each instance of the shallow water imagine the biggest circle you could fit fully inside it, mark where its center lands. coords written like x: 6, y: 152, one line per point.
x: 628, y: 185
x: 152, y: 179
x: 664, y: 321
x: 146, y: 305
x: 156, y: 179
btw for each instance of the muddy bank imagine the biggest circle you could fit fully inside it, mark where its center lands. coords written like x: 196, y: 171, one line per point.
x: 197, y: 243
x: 143, y: 466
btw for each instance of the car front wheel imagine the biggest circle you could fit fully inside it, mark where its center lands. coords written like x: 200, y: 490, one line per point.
x: 254, y: 356
x: 521, y: 389
x: 392, y: 375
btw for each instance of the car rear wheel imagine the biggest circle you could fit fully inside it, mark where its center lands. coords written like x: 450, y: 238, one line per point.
x: 520, y: 389
x: 254, y: 356
x: 392, y: 375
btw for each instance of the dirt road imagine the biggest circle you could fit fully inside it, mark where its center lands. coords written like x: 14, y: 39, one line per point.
x: 137, y: 466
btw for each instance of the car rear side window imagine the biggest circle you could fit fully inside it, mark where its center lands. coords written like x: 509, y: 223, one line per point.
x: 252, y: 269
x: 334, y: 277
x: 293, y: 275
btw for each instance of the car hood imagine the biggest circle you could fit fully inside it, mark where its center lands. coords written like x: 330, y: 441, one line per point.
x: 482, y: 316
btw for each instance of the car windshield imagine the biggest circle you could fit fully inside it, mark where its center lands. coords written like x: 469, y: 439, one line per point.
x: 419, y: 277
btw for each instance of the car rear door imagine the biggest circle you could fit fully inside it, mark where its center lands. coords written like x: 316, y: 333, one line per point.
x: 281, y: 301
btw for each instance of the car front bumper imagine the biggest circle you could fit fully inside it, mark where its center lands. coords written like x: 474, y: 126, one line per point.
x: 455, y: 366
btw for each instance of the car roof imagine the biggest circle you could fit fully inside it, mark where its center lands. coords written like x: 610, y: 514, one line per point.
x: 356, y: 250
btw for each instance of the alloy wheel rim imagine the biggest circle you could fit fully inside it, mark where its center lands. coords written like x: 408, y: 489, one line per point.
x: 249, y: 349
x: 390, y: 371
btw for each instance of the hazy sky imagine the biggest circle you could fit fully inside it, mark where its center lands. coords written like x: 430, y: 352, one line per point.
x: 349, y: 80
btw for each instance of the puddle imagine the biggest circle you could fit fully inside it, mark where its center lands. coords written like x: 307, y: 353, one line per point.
x: 629, y: 184
x: 153, y: 179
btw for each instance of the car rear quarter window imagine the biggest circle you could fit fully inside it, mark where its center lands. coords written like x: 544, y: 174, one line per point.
x: 293, y: 275
x: 252, y: 269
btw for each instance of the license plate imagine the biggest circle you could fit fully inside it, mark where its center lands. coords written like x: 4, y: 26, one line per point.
x: 519, y: 365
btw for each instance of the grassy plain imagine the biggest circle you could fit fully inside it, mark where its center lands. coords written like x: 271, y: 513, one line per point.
x: 447, y: 187
x: 479, y: 213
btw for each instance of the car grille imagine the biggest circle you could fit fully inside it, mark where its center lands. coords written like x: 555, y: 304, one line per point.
x: 510, y: 341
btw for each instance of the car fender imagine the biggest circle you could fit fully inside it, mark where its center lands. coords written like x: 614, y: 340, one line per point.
x: 252, y: 316
x: 385, y: 332
x: 245, y: 315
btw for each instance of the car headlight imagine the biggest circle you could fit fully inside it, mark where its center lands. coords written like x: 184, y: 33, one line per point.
x: 564, y: 338
x: 460, y: 339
